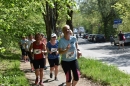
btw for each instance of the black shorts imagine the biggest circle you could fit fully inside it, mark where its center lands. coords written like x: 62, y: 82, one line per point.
x: 53, y: 62
x: 40, y: 63
x: 68, y: 66
x: 24, y: 52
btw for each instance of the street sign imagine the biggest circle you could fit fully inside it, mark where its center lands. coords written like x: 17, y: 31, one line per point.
x: 115, y: 25
x: 117, y: 21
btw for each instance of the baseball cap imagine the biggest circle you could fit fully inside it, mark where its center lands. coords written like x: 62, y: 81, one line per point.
x: 53, y: 35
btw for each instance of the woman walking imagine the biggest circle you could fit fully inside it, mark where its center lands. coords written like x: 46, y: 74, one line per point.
x: 53, y: 55
x: 68, y: 47
x: 39, y: 49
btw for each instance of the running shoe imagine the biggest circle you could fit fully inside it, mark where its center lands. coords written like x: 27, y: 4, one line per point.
x: 45, y: 67
x: 41, y: 83
x: 56, y: 78
x: 36, y: 81
x: 51, y: 75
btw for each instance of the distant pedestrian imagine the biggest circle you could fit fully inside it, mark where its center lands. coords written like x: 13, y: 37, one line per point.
x: 44, y: 41
x: 77, y: 36
x: 53, y: 55
x: 39, y: 49
x: 111, y: 40
x: 23, y: 44
x: 80, y: 34
x: 68, y: 48
x: 121, y: 39
x: 29, y: 42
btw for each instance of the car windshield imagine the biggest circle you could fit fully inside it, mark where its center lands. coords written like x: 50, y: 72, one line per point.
x: 127, y: 35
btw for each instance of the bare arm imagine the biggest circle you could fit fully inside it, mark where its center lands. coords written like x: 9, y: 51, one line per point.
x: 44, y: 49
x: 63, y: 51
x: 31, y: 47
x: 76, y: 44
x: 48, y: 51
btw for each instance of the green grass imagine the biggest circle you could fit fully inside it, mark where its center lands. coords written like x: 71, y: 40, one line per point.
x: 107, y: 75
x: 10, y: 73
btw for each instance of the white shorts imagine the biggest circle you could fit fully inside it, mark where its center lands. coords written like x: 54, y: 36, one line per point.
x: 121, y: 42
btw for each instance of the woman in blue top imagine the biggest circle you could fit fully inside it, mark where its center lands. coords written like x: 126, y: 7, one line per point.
x: 53, y: 55
x: 68, y: 47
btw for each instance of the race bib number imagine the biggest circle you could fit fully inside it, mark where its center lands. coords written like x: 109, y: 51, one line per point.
x: 70, y: 55
x: 37, y: 51
x: 53, y: 49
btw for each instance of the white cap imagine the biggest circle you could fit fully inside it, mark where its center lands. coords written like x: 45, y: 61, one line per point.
x: 53, y: 35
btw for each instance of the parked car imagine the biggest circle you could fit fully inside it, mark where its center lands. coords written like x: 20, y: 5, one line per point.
x: 90, y: 37
x: 85, y: 36
x: 127, y: 39
x: 93, y: 37
x: 75, y: 31
x: 99, y: 38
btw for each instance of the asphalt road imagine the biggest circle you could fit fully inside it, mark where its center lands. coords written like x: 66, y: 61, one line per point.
x: 106, y: 53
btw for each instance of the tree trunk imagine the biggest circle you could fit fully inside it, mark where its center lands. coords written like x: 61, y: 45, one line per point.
x: 69, y: 21
x: 50, y: 19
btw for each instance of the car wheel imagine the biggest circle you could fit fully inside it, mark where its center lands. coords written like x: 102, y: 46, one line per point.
x: 114, y: 43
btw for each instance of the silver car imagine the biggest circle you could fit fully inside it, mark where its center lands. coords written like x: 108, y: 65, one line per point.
x: 127, y: 39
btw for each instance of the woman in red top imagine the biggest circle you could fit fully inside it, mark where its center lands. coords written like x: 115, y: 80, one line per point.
x: 39, y: 49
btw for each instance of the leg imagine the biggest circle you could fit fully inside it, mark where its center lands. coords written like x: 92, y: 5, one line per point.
x: 56, y: 71
x: 41, y: 74
x: 56, y: 61
x: 75, y: 71
x: 119, y: 44
x: 37, y: 73
x: 123, y: 45
x: 45, y: 62
x: 67, y: 71
x: 42, y: 65
x: 36, y: 66
x: 51, y: 63
x: 31, y: 61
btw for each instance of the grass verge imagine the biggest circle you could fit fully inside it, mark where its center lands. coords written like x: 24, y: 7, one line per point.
x: 10, y: 73
x: 107, y: 75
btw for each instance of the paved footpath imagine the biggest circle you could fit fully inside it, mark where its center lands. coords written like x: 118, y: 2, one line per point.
x: 51, y: 82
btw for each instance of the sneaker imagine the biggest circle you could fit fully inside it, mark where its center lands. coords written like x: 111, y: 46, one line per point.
x: 36, y: 81
x: 56, y: 78
x: 41, y: 83
x: 45, y: 67
x: 51, y: 75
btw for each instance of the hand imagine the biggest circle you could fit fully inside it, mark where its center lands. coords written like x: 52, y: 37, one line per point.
x: 79, y: 54
x: 50, y: 52
x: 68, y: 46
x: 57, y: 52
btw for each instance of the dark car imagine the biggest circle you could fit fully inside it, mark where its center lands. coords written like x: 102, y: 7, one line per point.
x: 99, y: 38
x: 85, y: 36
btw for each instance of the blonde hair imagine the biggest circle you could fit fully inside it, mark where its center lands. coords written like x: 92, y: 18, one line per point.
x: 65, y: 26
